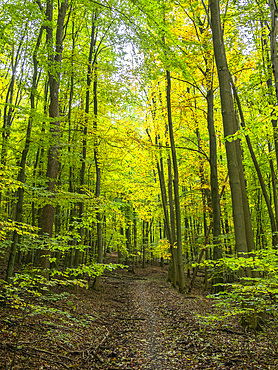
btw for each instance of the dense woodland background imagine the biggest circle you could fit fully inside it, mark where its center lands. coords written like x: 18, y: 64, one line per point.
x: 143, y: 127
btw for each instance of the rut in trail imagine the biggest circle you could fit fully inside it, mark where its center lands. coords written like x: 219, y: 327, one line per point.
x: 141, y: 335
x: 161, y: 349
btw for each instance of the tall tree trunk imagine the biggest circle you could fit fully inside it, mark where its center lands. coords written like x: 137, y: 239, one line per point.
x: 38, y: 165
x: 273, y: 43
x: 271, y: 69
x: 215, y: 199
x: 21, y: 175
x: 172, y: 273
x: 10, y: 103
x: 128, y: 217
x: 205, y: 198
x: 217, y: 251
x: 70, y: 143
x: 54, y: 65
x: 258, y: 170
x: 274, y: 188
x: 85, y: 130
x: 169, y: 224
x: 171, y: 201
x: 9, y: 106
x: 98, y: 183
x: 68, y: 258
x: 145, y: 238
x: 233, y: 151
x: 161, y: 177
x: 170, y: 233
x: 134, y: 256
x: 180, y: 265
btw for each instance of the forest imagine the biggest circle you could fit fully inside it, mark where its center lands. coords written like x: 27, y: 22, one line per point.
x: 138, y: 184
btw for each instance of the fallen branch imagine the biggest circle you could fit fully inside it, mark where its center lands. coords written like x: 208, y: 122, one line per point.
x: 92, y: 352
x: 49, y: 353
x: 231, y: 331
x: 129, y: 318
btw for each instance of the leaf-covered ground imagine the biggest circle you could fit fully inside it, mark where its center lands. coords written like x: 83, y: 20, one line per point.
x: 136, y: 321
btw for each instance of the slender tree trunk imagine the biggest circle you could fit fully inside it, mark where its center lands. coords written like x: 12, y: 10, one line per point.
x: 164, y: 199
x: 217, y: 251
x: 120, y: 255
x: 260, y: 235
x: 180, y: 266
x: 70, y: 143
x: 128, y: 233
x: 21, y: 175
x: 271, y: 70
x: 169, y: 224
x: 145, y: 238
x: 38, y: 165
x: 274, y: 190
x: 172, y: 273
x: 171, y: 201
x: 10, y: 101
x: 259, y: 173
x: 246, y: 210
x: 205, y: 199
x: 134, y: 256
x: 273, y: 43
x: 215, y: 199
x: 68, y: 258
x: 272, y: 101
x: 85, y: 130
x: 98, y: 183
x: 170, y: 232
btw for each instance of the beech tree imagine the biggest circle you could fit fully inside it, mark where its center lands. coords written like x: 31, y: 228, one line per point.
x: 54, y: 66
x: 241, y: 213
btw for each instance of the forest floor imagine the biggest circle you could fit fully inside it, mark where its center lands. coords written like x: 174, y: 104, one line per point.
x: 135, y: 321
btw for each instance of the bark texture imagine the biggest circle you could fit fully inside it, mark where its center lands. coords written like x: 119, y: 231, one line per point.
x: 242, y: 224
x: 54, y: 61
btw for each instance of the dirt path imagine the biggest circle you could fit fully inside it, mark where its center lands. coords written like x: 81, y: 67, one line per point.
x: 136, y: 321
x: 154, y: 327
x: 141, y: 335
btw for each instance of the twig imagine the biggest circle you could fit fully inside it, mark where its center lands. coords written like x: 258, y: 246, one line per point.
x: 50, y: 353
x: 97, y: 347
x: 129, y: 318
x: 38, y: 350
x: 48, y: 360
x: 63, y: 328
